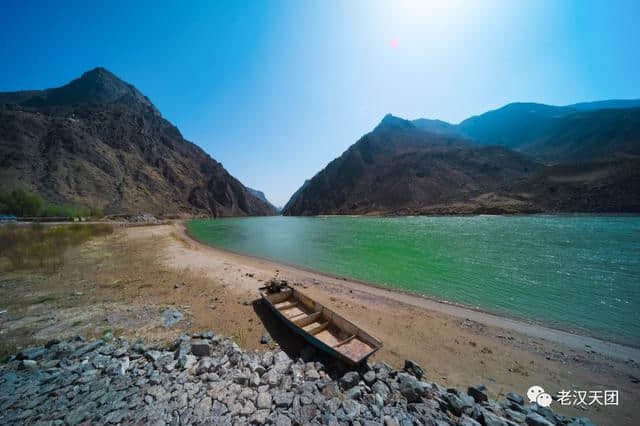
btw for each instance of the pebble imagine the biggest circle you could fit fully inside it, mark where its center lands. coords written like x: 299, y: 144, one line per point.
x: 206, y: 378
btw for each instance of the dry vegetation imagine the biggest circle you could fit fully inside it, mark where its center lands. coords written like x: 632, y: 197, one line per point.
x: 43, y: 247
x: 90, y: 280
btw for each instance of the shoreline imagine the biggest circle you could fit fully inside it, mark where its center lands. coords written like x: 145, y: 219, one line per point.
x: 532, y: 329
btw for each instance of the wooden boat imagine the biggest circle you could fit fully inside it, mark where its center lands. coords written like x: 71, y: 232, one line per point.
x: 322, y: 327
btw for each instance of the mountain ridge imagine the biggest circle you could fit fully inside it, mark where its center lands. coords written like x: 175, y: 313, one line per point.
x: 581, y: 161
x: 98, y: 141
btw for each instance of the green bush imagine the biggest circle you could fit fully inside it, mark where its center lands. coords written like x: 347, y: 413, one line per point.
x: 23, y: 203
x: 20, y: 203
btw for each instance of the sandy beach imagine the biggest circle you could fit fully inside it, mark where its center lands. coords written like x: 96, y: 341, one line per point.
x: 457, y: 345
x: 123, y: 283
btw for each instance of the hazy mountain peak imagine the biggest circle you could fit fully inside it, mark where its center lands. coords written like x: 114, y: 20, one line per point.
x: 392, y: 122
x: 98, y: 86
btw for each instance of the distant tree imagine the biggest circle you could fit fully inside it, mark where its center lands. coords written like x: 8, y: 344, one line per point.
x: 20, y: 203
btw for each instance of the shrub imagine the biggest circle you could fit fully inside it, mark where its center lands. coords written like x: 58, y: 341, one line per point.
x: 20, y: 203
x: 23, y: 203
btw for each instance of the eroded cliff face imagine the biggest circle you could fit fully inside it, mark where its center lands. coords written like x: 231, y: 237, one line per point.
x: 98, y: 141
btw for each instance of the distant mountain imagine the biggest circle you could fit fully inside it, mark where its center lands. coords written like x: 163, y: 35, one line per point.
x: 590, y: 135
x: 261, y: 196
x: 513, y: 125
x: 608, y: 104
x: 579, y: 132
x: 569, y: 160
x: 98, y: 141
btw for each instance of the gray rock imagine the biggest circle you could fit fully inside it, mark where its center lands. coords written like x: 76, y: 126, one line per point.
x: 413, y: 368
x: 580, y: 421
x: 29, y: 364
x: 186, y: 362
x: 467, y: 421
x: 171, y: 317
x: 153, y: 355
x: 109, y: 383
x: 85, y: 349
x: 282, y: 420
x: 311, y: 374
x: 411, y: 388
x: 369, y: 377
x: 331, y: 390
x: 390, y: 421
x: 381, y: 389
x: 248, y: 409
x: 202, y: 410
x: 490, y: 419
x: 200, y: 348
x: 203, y: 366
x: 515, y: 398
x: 516, y: 416
x: 455, y: 403
x: 283, y: 399
x: 51, y: 343
x: 354, y: 393
x: 281, y: 362
x: 351, y: 409
x: 350, y: 379
x: 259, y: 417
x: 31, y: 353
x: 545, y: 412
x: 264, y: 400
x: 266, y: 338
x: 479, y: 393
x: 267, y: 359
x: 535, y: 419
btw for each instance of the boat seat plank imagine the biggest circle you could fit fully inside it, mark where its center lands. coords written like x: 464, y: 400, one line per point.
x: 295, y: 316
x: 328, y: 338
x: 344, y: 341
x: 318, y: 328
x: 289, y: 305
x: 295, y: 312
x: 301, y: 322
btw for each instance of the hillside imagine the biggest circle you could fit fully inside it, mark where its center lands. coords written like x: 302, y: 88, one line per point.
x: 590, y: 135
x: 407, y: 167
x: 99, y: 142
x: 400, y: 168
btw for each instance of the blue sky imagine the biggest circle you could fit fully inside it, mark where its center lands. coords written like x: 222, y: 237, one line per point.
x: 274, y: 90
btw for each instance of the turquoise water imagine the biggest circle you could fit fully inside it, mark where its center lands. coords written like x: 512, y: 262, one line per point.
x: 580, y: 273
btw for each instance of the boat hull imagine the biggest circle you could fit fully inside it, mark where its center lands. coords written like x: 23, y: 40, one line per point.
x: 319, y: 309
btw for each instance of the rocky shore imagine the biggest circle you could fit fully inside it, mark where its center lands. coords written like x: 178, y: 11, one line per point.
x: 207, y: 379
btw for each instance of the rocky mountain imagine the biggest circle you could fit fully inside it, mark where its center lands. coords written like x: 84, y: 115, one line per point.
x: 99, y: 142
x: 590, y: 135
x: 571, y: 161
x: 262, y: 197
x: 400, y: 168
x: 607, y: 104
x: 553, y: 134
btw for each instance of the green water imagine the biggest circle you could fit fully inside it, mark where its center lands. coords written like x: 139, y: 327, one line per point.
x: 580, y: 273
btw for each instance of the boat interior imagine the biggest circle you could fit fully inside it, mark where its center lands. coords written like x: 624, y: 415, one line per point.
x: 324, y: 325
